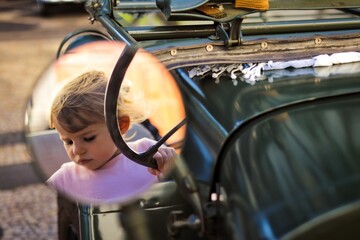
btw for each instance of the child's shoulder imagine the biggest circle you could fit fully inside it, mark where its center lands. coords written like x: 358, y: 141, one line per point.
x: 68, y: 165
x: 142, y: 144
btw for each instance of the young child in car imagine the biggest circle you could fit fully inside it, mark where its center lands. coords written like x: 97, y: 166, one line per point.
x: 98, y: 172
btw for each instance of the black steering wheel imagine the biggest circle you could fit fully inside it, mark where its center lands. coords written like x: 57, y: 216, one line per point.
x: 111, y: 113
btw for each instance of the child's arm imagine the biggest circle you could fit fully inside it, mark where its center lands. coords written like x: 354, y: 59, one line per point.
x: 163, y: 156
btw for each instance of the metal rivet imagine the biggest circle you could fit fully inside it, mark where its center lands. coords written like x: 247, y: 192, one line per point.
x: 173, y: 52
x: 317, y: 40
x: 209, y: 48
x: 264, y: 45
x: 91, y: 20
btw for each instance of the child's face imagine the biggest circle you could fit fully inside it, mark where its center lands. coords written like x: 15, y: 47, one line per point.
x: 91, y: 147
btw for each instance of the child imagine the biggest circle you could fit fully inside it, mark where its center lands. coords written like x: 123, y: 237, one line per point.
x: 98, y: 172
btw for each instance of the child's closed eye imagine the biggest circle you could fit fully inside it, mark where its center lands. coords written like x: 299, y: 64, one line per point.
x: 89, y: 139
x: 67, y: 142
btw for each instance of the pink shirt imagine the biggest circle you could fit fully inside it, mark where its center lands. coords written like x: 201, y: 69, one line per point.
x: 118, y: 180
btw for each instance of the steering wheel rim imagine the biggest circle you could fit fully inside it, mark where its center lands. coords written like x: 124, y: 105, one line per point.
x: 111, y: 113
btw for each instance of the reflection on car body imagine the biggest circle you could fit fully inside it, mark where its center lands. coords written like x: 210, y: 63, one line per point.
x: 271, y: 99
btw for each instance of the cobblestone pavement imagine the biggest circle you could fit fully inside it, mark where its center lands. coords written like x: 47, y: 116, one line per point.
x: 28, y: 44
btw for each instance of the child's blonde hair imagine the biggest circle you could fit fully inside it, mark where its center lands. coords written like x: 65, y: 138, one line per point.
x: 81, y: 102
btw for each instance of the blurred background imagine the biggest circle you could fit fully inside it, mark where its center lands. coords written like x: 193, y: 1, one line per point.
x: 29, y: 39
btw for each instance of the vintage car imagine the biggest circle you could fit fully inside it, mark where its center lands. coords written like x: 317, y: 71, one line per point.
x: 261, y: 99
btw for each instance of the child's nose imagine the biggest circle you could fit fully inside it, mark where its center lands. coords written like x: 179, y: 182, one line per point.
x: 78, y: 149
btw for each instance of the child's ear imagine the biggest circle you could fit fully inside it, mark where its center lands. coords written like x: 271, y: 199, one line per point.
x: 124, y: 124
